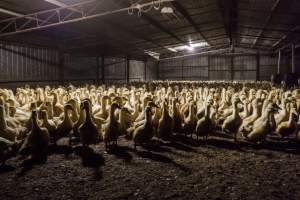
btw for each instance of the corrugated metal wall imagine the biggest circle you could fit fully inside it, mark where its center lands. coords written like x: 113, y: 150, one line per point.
x: 151, y: 70
x: 114, y: 70
x: 23, y: 64
x: 218, y: 67
x: 267, y: 66
x: 137, y: 70
x: 80, y: 69
x: 244, y: 67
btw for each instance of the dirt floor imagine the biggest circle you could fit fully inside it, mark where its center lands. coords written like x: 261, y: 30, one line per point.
x: 183, y: 169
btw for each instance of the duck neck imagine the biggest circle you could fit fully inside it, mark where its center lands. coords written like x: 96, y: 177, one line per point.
x: 246, y: 108
x: 112, y: 115
x: 50, y: 111
x: 148, y: 119
x: 207, y: 111
x: 3, y: 124
x: 35, y: 125
x: 67, y: 117
x: 55, y: 98
x: 191, y: 112
x: 88, y: 118
x: 235, y: 110
x: 291, y: 117
x: 103, y: 103
x: 45, y: 118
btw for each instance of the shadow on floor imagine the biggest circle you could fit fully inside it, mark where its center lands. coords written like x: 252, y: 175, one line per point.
x: 6, y: 168
x: 90, y: 159
x: 28, y: 164
x: 161, y: 158
x: 121, y: 153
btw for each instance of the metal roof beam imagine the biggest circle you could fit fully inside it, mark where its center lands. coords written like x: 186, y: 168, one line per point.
x: 186, y: 15
x: 56, y: 17
x: 228, y: 9
x: 273, y: 9
x: 285, y: 37
x: 155, y: 23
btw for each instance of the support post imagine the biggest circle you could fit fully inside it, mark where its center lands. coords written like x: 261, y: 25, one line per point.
x: 208, y: 67
x: 293, y: 58
x: 257, y: 67
x: 145, y: 70
x: 97, y: 70
x: 127, y: 65
x: 61, y: 63
x: 182, y: 69
x: 231, y: 68
x: 279, y: 61
x: 102, y: 69
x: 157, y: 71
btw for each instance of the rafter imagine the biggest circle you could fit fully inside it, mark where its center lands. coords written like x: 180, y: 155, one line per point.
x: 56, y: 17
x: 155, y: 23
x: 273, y: 9
x: 178, y: 6
x: 286, y: 36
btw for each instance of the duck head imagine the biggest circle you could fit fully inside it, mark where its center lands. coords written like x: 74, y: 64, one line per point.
x: 274, y: 108
x: 33, y: 115
x: 85, y: 105
x: 151, y: 104
x: 115, y: 106
x: 68, y: 107
x: 148, y: 112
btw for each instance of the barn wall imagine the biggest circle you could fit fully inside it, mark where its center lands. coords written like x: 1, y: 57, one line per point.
x: 21, y: 65
x: 80, y: 70
x: 151, y: 70
x: 218, y: 67
x: 114, y: 70
x: 137, y: 70
x: 84, y: 70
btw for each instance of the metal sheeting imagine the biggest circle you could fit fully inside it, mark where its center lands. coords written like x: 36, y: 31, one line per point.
x: 193, y: 68
x: 27, y: 64
x: 268, y: 66
x: 244, y: 67
x: 151, y: 70
x: 80, y: 68
x: 221, y: 67
x: 114, y: 70
x: 136, y: 70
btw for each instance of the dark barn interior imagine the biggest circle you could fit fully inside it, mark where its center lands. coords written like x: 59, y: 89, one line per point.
x: 149, y: 99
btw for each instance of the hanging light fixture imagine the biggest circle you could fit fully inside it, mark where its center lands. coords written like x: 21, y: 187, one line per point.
x: 155, y: 4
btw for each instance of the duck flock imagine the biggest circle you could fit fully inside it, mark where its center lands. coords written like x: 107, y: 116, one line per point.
x: 32, y: 119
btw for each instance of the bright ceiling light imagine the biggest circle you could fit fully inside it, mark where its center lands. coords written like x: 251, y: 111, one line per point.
x: 57, y: 3
x: 167, y: 10
x: 153, y: 54
x: 190, y: 47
